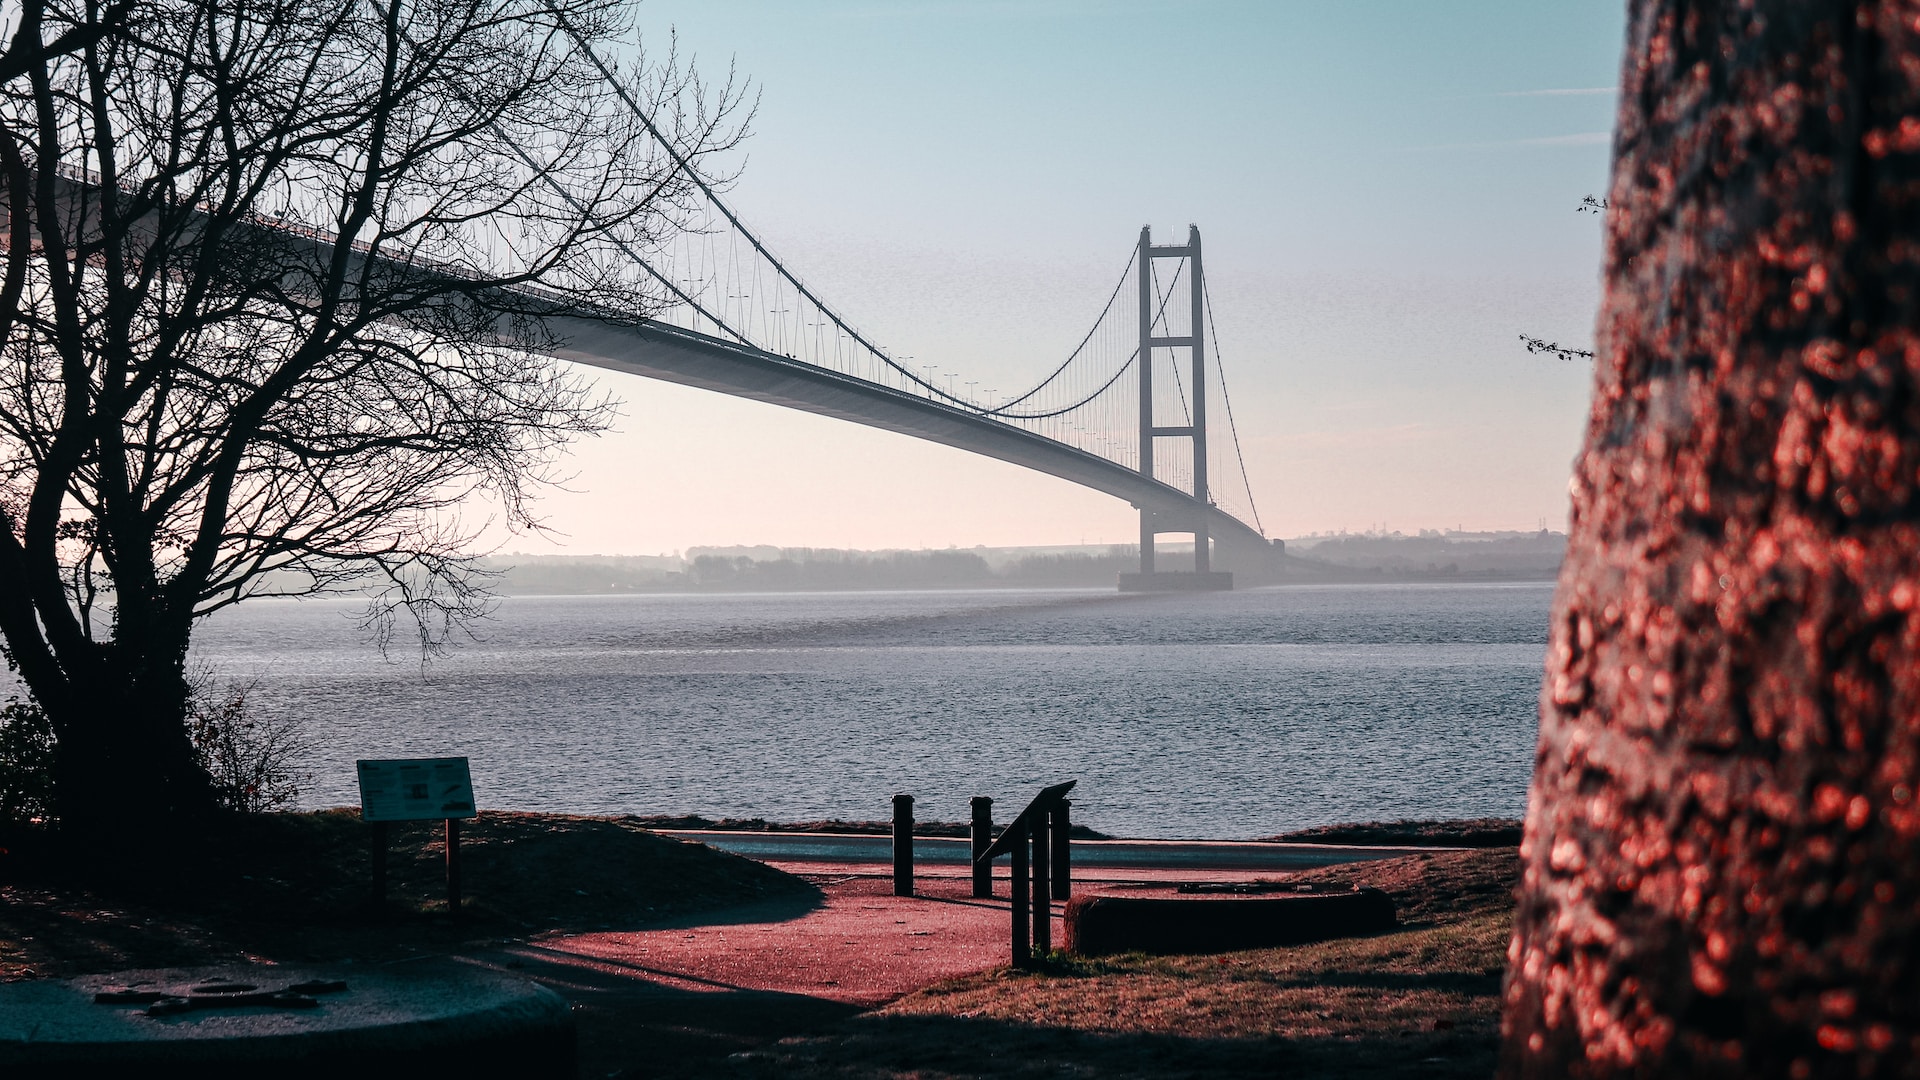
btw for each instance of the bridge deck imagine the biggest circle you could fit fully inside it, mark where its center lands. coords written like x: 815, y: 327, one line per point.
x: 659, y: 351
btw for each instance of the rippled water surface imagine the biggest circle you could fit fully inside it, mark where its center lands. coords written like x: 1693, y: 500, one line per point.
x: 1225, y: 715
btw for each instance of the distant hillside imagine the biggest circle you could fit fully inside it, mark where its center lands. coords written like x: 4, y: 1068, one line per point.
x: 1431, y: 555
x: 771, y: 569
x: 1352, y: 557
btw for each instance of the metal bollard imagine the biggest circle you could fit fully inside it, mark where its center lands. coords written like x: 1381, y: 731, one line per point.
x: 982, y: 840
x: 903, y: 845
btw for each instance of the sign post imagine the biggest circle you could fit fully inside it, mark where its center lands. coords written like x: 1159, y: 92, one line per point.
x: 416, y: 789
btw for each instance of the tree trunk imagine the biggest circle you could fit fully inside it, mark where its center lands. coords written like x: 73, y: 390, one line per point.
x: 124, y: 764
x: 1722, y: 855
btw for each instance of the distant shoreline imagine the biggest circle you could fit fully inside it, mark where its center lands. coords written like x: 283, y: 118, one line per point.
x: 992, y: 586
x: 1339, y: 559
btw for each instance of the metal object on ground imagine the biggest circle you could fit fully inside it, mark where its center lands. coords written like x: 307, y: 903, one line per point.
x: 428, y: 1019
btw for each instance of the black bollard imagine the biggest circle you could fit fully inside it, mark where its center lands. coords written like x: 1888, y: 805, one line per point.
x: 982, y: 840
x: 1042, y: 899
x: 1022, y: 894
x: 903, y: 845
x: 1062, y: 852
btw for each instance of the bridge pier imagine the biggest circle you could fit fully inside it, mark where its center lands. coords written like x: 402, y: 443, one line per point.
x: 1177, y: 581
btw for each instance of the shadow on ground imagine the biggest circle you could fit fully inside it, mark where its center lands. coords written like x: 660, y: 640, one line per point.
x: 295, y: 888
x: 878, y: 1047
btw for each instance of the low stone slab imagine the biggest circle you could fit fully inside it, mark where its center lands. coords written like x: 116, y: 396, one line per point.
x: 258, y: 1021
x: 1097, y: 925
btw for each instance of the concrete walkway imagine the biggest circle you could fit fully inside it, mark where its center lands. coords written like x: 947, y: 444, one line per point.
x: 1251, y: 856
x: 862, y: 945
x: 676, y: 999
x: 678, y: 994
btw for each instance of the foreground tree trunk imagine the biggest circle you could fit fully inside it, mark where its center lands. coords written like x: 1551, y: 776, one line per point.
x: 1721, y: 867
x: 124, y: 761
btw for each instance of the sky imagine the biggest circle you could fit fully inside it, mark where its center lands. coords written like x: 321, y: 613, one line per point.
x: 1387, y: 192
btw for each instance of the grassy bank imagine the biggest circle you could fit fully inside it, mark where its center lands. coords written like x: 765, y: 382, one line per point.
x: 1421, y: 1001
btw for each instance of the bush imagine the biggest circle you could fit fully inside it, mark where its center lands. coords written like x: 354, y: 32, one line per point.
x: 26, y: 764
x: 252, y: 763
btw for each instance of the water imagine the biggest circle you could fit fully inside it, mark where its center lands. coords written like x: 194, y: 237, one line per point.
x: 1221, y: 715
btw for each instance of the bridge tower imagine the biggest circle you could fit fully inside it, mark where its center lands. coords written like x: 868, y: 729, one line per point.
x: 1202, y: 576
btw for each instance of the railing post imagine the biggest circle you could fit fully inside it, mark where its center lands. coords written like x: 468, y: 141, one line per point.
x: 903, y: 845
x: 1062, y: 852
x: 1022, y: 894
x: 982, y: 840
x: 1042, y: 897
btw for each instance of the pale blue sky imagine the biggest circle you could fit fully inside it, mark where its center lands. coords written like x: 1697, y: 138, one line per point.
x: 1387, y: 192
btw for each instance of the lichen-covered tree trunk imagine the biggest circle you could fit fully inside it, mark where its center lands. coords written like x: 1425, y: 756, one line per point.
x: 1723, y: 843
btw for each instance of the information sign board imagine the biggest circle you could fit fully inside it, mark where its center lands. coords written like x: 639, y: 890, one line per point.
x: 415, y: 789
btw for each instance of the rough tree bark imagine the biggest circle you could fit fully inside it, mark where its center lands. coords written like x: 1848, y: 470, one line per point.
x: 1721, y: 867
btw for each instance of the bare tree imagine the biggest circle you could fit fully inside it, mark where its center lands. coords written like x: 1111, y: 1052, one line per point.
x: 271, y: 314
x: 1720, y: 856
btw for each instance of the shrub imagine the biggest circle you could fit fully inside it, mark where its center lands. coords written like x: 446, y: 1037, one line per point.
x: 26, y: 764
x: 252, y: 762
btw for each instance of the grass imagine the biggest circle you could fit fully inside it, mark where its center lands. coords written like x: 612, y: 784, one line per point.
x: 1421, y: 1001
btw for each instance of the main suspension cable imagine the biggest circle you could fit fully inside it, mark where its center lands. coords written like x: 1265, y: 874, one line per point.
x: 706, y: 189
x: 1220, y: 371
x: 1158, y: 318
x: 1042, y: 384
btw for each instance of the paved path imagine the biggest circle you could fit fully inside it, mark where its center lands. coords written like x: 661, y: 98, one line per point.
x: 669, y: 998
x: 862, y: 945
x: 778, y: 848
x: 676, y: 999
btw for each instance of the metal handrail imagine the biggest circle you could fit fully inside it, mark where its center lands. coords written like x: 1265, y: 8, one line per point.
x: 1034, y: 883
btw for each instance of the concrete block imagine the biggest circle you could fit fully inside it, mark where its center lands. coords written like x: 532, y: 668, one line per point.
x: 1096, y: 925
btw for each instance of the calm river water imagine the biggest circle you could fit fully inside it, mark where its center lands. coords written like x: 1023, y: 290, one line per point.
x: 1227, y: 715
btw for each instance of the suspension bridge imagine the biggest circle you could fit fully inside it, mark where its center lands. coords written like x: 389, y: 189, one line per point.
x: 1127, y: 412
x: 1130, y: 411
